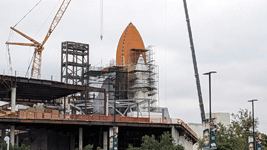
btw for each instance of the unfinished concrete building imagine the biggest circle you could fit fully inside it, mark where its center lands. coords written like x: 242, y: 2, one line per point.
x: 88, y: 101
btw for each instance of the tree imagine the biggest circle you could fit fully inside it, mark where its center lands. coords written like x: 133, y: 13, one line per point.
x: 99, y: 148
x: 235, y: 136
x: 15, y: 147
x: 264, y: 141
x: 166, y: 143
x: 88, y: 147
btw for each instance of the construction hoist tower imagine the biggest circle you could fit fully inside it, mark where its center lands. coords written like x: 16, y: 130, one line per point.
x: 74, y: 62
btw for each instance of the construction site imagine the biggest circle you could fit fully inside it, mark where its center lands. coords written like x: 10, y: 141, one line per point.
x: 109, y: 107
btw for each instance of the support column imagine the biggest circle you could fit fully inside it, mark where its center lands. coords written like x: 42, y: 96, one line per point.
x: 137, y: 109
x: 12, y: 135
x: 80, y: 138
x: 64, y: 107
x: 72, y: 141
x: 148, y: 108
x: 17, y: 139
x: 68, y: 105
x: 86, y: 95
x: 105, y: 140
x: 13, y: 99
x: 175, y: 135
x: 106, y: 103
x: 3, y: 132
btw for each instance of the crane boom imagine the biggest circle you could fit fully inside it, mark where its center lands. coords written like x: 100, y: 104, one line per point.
x: 201, y: 105
x: 22, y: 44
x: 24, y: 35
x: 56, y: 19
x: 37, y: 61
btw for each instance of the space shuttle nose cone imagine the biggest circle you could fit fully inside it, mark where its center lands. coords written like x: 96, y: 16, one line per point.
x: 130, y: 39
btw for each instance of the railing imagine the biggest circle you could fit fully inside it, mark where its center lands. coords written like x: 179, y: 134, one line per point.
x: 172, y: 121
x: 51, y: 115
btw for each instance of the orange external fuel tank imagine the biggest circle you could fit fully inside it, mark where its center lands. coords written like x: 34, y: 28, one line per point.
x: 130, y: 39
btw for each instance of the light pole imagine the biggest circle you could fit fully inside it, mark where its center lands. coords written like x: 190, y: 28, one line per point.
x: 114, y: 111
x: 209, y: 73
x: 252, y: 101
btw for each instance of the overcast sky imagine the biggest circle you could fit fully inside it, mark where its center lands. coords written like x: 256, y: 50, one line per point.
x: 229, y: 36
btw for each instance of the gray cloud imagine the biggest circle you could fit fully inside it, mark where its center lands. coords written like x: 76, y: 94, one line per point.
x: 229, y: 36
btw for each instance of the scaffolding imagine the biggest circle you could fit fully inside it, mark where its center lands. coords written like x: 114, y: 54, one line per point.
x: 144, y: 77
x: 124, y: 85
x: 129, y: 89
x: 74, y: 63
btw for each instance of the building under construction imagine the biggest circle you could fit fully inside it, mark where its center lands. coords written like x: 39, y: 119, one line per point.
x: 89, y: 101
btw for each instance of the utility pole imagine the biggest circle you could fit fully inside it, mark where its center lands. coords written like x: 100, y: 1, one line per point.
x: 209, y: 73
x: 252, y: 101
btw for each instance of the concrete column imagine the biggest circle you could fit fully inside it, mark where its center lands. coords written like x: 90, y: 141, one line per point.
x: 68, y: 106
x: 72, y: 142
x: 105, y: 140
x: 13, y: 99
x: 12, y: 135
x: 175, y: 135
x: 137, y: 110
x: 148, y: 108
x: 17, y: 139
x: 3, y: 132
x: 107, y: 105
x: 80, y: 138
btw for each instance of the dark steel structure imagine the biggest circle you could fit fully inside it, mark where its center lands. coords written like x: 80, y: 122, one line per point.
x: 31, y: 91
x: 74, y: 62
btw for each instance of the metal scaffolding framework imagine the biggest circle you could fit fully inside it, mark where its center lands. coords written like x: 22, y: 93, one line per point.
x: 131, y: 88
x: 74, y: 62
x: 125, y: 85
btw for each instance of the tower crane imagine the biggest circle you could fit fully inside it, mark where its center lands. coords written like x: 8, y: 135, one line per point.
x: 39, y: 47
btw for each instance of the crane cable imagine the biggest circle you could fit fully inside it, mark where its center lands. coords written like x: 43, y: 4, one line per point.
x: 101, y: 19
x: 47, y: 18
x: 26, y: 14
x: 10, y: 37
x: 9, y: 65
x: 27, y: 73
x: 165, y: 96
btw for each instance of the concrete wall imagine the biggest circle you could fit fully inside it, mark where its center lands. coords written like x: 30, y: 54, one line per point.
x: 224, y: 118
x: 188, y: 145
x: 197, y: 128
x: 182, y: 140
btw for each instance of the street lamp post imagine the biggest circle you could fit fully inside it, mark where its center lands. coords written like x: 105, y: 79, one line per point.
x: 209, y: 73
x: 252, y: 101
x: 114, y: 112
x: 115, y: 128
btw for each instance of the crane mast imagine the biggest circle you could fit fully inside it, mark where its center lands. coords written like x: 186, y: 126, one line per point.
x: 39, y: 47
x: 201, y: 105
